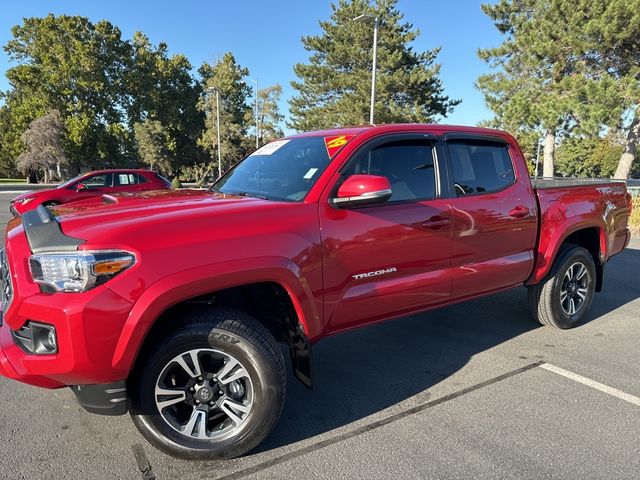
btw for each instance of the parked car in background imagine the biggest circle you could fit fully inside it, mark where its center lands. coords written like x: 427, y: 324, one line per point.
x: 92, y: 184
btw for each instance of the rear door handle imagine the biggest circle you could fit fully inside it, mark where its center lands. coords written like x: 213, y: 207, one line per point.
x: 436, y: 222
x: 519, y: 212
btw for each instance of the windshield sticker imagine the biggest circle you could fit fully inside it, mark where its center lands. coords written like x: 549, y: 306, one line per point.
x: 270, y: 148
x: 310, y: 173
x: 334, y: 144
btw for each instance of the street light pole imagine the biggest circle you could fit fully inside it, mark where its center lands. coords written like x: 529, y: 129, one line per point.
x: 218, y: 132
x: 371, y: 18
x: 217, y: 92
x: 256, y: 114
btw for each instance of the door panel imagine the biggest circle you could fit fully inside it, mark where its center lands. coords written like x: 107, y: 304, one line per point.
x: 408, y: 264
x: 494, y: 232
x: 393, y: 258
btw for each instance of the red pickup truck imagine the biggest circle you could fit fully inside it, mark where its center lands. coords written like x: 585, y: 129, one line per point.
x: 172, y: 304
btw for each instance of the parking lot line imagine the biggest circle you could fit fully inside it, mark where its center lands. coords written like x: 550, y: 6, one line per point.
x: 627, y: 397
x: 371, y: 426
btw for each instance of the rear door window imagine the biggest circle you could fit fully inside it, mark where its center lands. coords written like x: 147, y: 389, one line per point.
x: 480, y: 167
x: 125, y: 179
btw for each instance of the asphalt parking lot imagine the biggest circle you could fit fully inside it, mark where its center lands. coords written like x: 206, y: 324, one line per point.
x: 475, y: 390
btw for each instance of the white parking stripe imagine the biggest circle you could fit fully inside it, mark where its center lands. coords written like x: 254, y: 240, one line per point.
x: 627, y: 397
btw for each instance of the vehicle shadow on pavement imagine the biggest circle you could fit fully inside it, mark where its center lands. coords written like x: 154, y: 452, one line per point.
x: 360, y: 373
x: 363, y: 372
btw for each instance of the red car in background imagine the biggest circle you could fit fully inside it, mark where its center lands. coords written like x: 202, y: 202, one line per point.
x: 92, y: 184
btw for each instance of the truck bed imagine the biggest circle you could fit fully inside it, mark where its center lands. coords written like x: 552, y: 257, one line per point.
x: 556, y: 182
x: 569, y: 204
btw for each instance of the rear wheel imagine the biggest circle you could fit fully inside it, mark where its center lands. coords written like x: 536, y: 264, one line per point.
x: 212, y: 389
x: 564, y: 296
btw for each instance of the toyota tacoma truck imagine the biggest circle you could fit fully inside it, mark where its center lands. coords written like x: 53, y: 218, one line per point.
x: 176, y: 306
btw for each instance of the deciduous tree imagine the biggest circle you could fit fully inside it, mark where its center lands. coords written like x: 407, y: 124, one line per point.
x: 269, y: 116
x: 155, y: 146
x: 43, y: 147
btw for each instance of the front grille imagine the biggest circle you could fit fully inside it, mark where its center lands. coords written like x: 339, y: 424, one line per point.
x: 6, y: 287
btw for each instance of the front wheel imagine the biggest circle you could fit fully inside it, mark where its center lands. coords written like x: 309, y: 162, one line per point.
x: 214, y: 388
x: 564, y: 296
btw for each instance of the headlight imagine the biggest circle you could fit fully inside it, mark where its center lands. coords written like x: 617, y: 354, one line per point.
x: 77, y: 271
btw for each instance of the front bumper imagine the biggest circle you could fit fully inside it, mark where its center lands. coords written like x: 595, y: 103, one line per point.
x: 88, y: 326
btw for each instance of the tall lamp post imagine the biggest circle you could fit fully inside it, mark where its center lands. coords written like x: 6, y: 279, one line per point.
x: 368, y: 18
x: 217, y: 92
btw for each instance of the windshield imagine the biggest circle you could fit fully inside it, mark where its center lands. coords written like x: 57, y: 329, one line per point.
x: 70, y: 181
x: 280, y: 170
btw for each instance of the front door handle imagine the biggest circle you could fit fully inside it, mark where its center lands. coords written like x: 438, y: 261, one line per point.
x: 519, y: 212
x: 436, y: 222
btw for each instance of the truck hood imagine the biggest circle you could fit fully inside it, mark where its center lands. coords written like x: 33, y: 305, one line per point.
x: 116, y: 217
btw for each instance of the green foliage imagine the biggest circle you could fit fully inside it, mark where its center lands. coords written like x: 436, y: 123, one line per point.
x: 225, y: 76
x: 334, y: 87
x: 269, y: 118
x: 155, y: 145
x: 67, y: 63
x: 197, y: 173
x: 176, y: 183
x: 160, y: 87
x: 591, y: 157
x: 102, y: 85
x: 566, y: 67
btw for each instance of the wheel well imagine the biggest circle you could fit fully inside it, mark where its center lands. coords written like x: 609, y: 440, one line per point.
x: 268, y: 302
x: 589, y: 238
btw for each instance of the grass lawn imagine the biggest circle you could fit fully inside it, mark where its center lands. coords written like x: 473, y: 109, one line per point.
x: 13, y: 180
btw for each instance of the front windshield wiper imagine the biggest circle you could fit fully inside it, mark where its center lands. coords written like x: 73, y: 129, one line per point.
x: 247, y: 194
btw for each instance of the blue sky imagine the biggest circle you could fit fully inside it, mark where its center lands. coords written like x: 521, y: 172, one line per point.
x: 265, y: 35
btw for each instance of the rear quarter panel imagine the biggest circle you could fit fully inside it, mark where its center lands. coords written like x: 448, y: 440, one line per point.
x: 565, y: 210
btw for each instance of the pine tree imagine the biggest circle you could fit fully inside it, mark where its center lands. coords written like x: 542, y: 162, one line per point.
x: 334, y: 87
x: 566, y: 67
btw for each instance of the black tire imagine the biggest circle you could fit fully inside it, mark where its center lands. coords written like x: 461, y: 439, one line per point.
x: 234, y: 333
x: 545, y: 298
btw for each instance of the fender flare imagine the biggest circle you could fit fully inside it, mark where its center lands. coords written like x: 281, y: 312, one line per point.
x: 181, y: 286
x: 546, y: 254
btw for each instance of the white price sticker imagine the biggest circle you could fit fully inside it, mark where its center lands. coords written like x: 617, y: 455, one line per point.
x: 310, y: 173
x: 270, y: 148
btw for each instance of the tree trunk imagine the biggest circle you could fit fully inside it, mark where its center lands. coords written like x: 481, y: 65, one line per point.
x: 58, y: 171
x: 630, y: 148
x: 549, y: 149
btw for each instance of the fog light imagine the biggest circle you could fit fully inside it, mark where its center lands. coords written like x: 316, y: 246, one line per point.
x: 36, y: 338
x: 51, y: 340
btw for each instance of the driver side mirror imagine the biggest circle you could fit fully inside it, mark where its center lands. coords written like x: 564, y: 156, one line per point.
x: 81, y: 187
x: 359, y: 190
